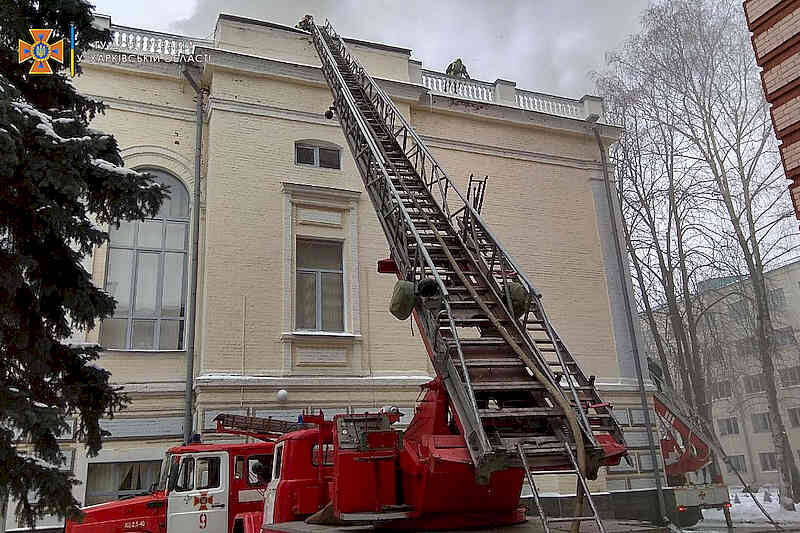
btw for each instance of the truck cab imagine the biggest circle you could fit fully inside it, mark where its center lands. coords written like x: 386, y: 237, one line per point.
x: 202, y: 487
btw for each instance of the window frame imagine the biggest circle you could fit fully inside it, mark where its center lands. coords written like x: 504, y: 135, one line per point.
x: 772, y: 467
x: 754, y: 383
x: 277, y: 462
x: 327, y: 456
x: 728, y: 425
x: 130, y: 315
x: 316, y: 148
x: 318, y: 272
x: 182, y: 474
x: 759, y: 428
x: 249, y: 471
x: 721, y: 390
x: 213, y: 465
x: 790, y: 376
x: 794, y: 416
x: 777, y: 299
x: 119, y: 493
x: 741, y: 466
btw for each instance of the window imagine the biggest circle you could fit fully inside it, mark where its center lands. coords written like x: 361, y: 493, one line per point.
x: 720, y: 389
x: 737, y: 462
x: 276, y: 467
x: 146, y: 275
x: 761, y: 423
x: 790, y: 376
x: 728, y: 426
x: 784, y: 336
x: 207, y: 473
x: 185, y: 475
x: 777, y: 300
x: 259, y: 469
x: 327, y: 455
x: 768, y: 461
x: 794, y: 417
x: 113, y: 481
x: 317, y: 156
x: 753, y: 384
x: 320, y: 290
x: 739, y: 310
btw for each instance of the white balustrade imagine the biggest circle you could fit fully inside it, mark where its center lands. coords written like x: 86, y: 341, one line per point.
x: 470, y: 89
x: 553, y: 105
x: 142, y: 42
x: 482, y: 91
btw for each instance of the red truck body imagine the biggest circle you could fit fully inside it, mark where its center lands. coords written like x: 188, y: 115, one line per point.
x: 149, y: 513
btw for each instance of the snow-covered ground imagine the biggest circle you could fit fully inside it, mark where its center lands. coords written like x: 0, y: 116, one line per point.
x: 747, y: 515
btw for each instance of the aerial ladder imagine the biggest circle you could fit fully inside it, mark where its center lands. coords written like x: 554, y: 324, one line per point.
x: 520, y: 398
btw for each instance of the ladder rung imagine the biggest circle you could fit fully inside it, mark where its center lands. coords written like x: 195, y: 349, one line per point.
x: 520, y: 411
x: 510, y: 385
x: 551, y: 472
x: 508, y: 361
x: 571, y: 519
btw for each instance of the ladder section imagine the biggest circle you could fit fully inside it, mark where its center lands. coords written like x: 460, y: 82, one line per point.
x: 266, y: 429
x: 506, y: 393
x: 581, y: 492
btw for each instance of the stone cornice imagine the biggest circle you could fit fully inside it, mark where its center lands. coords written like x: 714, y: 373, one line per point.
x: 251, y: 108
x: 515, y: 115
x: 138, y: 64
x: 510, y: 153
x: 145, y: 108
x: 296, y: 72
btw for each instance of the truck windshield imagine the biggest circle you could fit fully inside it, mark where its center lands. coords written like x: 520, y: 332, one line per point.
x: 164, y: 476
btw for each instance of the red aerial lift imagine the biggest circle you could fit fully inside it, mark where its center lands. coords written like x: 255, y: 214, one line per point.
x: 509, y: 402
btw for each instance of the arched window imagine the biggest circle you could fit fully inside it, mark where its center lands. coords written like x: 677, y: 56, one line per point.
x: 146, y: 274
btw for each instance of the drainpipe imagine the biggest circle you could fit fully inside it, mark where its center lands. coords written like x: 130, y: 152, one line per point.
x: 612, y: 215
x: 189, y: 392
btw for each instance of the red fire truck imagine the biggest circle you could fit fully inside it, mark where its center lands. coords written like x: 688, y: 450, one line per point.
x: 201, y: 486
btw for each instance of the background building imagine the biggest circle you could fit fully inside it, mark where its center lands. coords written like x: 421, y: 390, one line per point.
x: 289, y: 295
x: 736, y: 383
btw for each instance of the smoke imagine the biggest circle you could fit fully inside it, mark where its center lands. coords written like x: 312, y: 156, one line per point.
x: 545, y: 45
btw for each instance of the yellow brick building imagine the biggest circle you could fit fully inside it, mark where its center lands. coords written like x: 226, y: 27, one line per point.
x: 288, y: 292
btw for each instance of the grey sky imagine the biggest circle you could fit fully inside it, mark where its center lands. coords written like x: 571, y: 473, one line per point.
x: 543, y: 45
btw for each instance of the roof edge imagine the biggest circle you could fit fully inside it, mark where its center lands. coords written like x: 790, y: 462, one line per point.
x: 277, y: 26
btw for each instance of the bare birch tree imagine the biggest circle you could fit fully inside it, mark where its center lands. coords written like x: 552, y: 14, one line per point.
x: 702, y: 189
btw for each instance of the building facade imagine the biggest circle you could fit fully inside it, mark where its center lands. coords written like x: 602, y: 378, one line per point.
x: 739, y: 403
x: 289, y: 297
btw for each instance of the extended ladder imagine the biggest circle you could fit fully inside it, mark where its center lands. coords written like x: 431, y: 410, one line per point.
x: 518, y: 393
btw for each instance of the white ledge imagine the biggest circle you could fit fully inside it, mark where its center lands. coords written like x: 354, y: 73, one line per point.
x: 320, y: 335
x: 228, y: 380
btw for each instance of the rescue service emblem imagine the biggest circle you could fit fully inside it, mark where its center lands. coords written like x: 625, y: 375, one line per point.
x: 203, y: 501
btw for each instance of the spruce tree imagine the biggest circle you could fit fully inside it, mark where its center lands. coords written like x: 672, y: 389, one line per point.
x: 61, y: 182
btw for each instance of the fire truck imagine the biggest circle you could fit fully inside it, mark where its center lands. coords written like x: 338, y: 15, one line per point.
x: 201, y: 486
x: 509, y: 403
x: 687, y: 448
